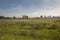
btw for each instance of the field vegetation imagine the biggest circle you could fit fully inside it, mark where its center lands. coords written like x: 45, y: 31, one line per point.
x: 29, y: 29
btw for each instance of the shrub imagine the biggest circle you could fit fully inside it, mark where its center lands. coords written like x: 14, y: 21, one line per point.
x: 54, y: 26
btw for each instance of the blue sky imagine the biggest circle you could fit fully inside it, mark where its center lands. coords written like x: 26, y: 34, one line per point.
x: 32, y: 8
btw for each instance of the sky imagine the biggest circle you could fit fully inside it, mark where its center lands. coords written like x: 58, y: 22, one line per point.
x: 32, y: 8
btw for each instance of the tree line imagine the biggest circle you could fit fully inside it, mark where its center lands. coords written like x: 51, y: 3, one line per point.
x: 26, y: 17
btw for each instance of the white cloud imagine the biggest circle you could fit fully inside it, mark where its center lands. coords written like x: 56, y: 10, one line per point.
x: 51, y: 3
x: 53, y: 12
x: 19, y: 11
x: 50, y: 7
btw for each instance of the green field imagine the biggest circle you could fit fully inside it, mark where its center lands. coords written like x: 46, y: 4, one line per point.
x: 29, y: 29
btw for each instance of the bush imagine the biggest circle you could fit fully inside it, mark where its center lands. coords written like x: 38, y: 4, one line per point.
x: 54, y: 26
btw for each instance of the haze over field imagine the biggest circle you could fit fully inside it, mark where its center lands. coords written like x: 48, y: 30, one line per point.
x: 32, y: 8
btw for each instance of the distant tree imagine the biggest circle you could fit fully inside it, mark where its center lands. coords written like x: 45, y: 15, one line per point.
x: 49, y: 17
x: 24, y: 16
x: 1, y: 17
x: 14, y: 17
x: 44, y: 16
x: 53, y: 16
x: 41, y: 16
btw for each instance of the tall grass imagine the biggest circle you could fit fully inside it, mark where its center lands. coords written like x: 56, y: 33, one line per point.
x: 12, y: 29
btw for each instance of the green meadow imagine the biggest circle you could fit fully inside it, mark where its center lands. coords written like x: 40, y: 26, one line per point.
x: 29, y: 29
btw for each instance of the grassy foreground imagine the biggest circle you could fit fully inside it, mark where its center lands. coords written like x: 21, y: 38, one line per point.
x: 29, y: 29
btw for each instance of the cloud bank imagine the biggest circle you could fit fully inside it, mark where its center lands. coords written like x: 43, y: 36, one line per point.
x: 35, y: 9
